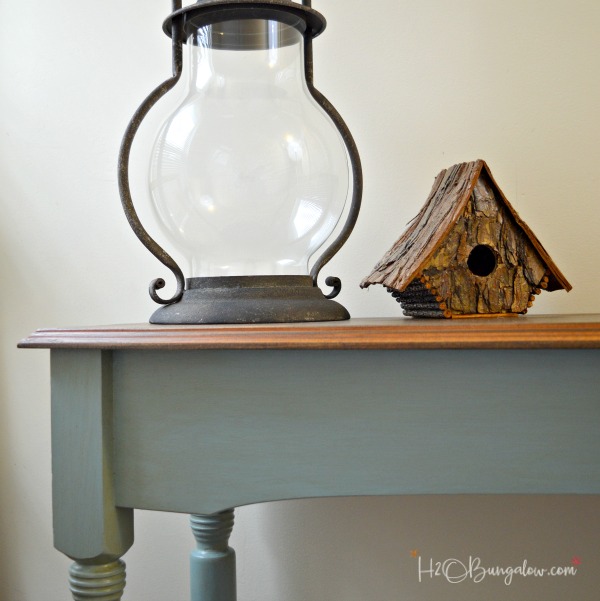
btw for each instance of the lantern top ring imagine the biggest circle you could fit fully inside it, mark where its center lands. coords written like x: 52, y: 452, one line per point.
x: 206, y: 12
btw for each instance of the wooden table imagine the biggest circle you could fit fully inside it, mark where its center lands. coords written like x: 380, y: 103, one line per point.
x: 204, y: 419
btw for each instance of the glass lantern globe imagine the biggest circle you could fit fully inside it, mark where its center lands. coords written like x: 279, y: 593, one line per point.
x: 249, y: 176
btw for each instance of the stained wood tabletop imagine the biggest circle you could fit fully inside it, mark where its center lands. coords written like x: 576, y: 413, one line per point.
x: 522, y: 332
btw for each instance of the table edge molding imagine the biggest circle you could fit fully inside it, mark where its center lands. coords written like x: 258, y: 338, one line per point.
x: 558, y: 331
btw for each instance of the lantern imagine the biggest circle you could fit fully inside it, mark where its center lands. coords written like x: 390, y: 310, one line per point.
x: 252, y: 172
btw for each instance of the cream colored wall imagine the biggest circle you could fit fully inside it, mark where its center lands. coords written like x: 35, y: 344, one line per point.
x: 422, y: 85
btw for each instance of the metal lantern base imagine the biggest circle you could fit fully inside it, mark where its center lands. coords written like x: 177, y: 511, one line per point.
x: 250, y: 299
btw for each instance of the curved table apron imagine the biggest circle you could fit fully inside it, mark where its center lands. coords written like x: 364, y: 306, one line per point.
x: 202, y: 419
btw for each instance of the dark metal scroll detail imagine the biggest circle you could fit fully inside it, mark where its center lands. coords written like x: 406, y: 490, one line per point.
x: 251, y: 299
x: 357, y: 178
x: 334, y: 283
x: 123, y: 177
x: 174, y: 25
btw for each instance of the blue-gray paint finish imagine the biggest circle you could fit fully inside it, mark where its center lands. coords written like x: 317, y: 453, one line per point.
x: 200, y: 431
x: 88, y: 526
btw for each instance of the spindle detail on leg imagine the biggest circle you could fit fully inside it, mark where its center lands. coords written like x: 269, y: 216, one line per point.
x: 104, y: 582
x: 212, y: 563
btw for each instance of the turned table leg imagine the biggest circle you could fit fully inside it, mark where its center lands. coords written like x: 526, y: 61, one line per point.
x: 212, y: 563
x: 104, y: 582
x: 88, y: 526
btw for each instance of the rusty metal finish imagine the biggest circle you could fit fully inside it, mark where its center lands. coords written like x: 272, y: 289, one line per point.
x: 123, y: 177
x: 357, y: 179
x: 250, y: 299
x: 205, y: 12
x: 210, y: 11
x: 315, y: 23
x: 335, y: 283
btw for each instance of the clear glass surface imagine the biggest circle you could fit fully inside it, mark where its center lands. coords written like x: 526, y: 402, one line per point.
x: 248, y: 176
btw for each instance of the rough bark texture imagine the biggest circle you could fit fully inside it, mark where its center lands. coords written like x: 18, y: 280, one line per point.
x: 419, y: 301
x: 519, y: 270
x: 459, y: 191
x: 402, y: 263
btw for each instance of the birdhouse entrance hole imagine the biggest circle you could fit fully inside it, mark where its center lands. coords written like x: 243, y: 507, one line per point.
x: 482, y: 260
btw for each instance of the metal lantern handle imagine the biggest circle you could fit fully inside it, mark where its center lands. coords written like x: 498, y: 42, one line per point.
x: 357, y: 185
x: 357, y: 179
x: 124, y: 153
x: 174, y: 26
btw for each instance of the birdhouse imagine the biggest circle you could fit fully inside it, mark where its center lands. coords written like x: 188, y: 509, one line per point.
x: 467, y: 253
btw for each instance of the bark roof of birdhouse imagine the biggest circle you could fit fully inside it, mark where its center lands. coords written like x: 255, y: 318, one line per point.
x: 426, y: 232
